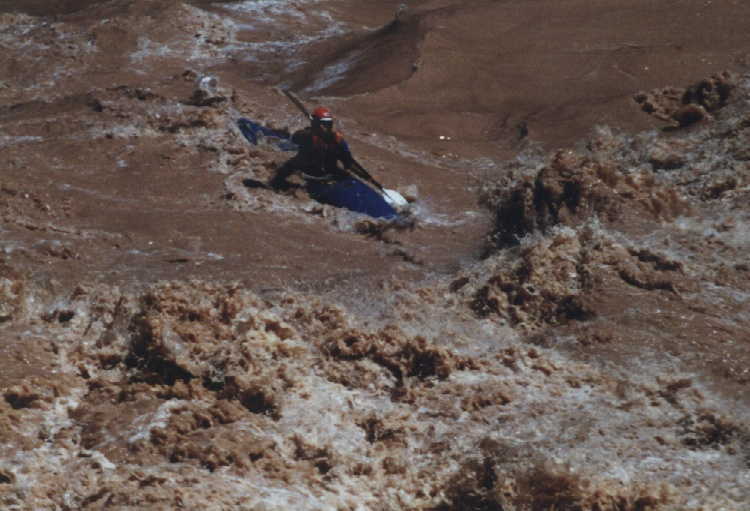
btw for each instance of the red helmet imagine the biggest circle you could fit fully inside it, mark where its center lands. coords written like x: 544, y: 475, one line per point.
x: 322, y: 114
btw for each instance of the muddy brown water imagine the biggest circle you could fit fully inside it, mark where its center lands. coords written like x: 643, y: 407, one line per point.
x: 117, y: 178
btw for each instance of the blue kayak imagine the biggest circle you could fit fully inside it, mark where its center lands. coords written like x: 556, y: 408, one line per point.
x: 349, y: 193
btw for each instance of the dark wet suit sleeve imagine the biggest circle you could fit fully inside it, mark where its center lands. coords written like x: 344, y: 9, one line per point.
x: 295, y: 164
x: 279, y: 180
x: 301, y: 138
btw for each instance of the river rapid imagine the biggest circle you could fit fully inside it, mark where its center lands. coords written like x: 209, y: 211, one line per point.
x: 561, y: 324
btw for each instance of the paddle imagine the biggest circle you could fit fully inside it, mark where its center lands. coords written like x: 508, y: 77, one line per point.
x: 357, y: 169
x: 360, y: 171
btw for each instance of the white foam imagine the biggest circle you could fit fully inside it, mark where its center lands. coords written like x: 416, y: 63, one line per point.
x: 334, y: 73
x: 309, y: 24
x: 148, y: 48
x: 426, y: 215
x: 158, y: 419
x: 7, y: 140
x: 267, y: 10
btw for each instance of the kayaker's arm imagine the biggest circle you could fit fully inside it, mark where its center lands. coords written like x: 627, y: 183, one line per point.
x: 279, y: 180
x: 302, y: 139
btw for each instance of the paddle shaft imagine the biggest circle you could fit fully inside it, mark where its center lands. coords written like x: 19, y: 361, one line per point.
x: 366, y: 175
x: 294, y: 99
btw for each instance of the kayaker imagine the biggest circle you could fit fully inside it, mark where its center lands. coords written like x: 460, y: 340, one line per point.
x: 321, y: 149
x: 332, y: 176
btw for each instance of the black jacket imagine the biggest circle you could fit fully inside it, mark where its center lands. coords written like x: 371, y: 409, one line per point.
x: 318, y: 158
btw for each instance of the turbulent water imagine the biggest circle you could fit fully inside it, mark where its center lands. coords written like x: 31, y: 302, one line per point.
x: 562, y: 324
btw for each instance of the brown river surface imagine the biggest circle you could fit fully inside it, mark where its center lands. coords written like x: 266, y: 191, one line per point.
x: 563, y: 322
